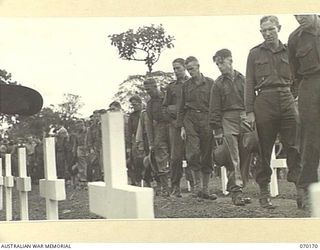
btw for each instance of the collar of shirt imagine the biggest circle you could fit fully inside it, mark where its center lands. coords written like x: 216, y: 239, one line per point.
x: 202, y: 80
x: 315, y: 32
x: 180, y: 81
x: 228, y: 76
x: 280, y: 48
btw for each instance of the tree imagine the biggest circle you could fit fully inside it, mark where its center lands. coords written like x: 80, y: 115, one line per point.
x: 150, y: 41
x: 134, y: 86
x: 69, y: 108
x: 6, y: 78
x: 36, y: 124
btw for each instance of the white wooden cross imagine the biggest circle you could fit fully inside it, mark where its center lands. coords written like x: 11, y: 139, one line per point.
x: 1, y: 186
x: 224, y: 180
x: 51, y: 188
x: 314, y: 194
x: 23, y: 184
x: 8, y: 183
x: 275, y: 164
x: 114, y: 198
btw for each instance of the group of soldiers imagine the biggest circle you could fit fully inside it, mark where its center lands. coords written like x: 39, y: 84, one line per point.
x: 280, y: 95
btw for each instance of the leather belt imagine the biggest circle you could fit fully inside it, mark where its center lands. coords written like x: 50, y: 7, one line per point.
x: 275, y: 89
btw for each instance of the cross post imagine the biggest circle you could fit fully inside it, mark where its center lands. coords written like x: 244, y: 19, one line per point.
x: 114, y: 198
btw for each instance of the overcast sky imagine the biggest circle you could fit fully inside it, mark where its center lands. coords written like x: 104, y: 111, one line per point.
x: 74, y: 55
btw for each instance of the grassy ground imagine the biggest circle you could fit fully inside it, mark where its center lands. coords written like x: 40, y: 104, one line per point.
x: 76, y: 205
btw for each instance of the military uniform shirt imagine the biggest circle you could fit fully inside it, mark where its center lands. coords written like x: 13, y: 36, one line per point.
x: 194, y: 97
x: 226, y: 95
x: 266, y: 69
x: 304, y: 53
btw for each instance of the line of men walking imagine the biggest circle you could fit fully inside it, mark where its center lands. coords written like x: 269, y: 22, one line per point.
x: 198, y: 114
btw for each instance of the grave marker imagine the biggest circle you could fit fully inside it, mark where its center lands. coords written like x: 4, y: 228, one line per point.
x: 1, y: 186
x: 8, y: 183
x: 314, y: 194
x: 51, y: 188
x: 114, y: 198
x: 275, y: 164
x: 224, y: 180
x: 23, y: 184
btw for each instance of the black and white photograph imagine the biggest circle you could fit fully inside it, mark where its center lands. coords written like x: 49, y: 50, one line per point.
x: 157, y: 118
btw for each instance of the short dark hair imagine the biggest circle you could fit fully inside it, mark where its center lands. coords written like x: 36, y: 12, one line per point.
x: 181, y: 61
x: 191, y: 59
x: 149, y: 81
x: 135, y: 98
x: 221, y: 55
x: 270, y: 18
x: 116, y: 104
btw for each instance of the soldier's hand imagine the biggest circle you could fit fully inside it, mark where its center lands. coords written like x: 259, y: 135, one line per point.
x: 251, y: 118
x: 151, y: 148
x: 183, y: 133
x: 219, y: 138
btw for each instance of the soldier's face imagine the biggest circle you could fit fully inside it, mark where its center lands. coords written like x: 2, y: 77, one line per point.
x: 305, y: 21
x: 225, y: 65
x: 151, y: 89
x: 269, y: 31
x: 136, y: 105
x: 179, y: 70
x: 193, y: 68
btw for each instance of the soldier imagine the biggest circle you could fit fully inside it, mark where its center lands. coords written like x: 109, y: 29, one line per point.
x: 94, y: 143
x: 79, y: 154
x: 193, y: 119
x: 304, y: 59
x: 270, y: 103
x: 135, y: 155
x: 143, y: 146
x: 177, y: 148
x: 157, y: 133
x: 227, y: 119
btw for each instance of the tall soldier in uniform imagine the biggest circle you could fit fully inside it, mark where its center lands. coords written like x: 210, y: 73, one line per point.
x: 227, y: 118
x: 177, y: 147
x: 157, y: 133
x: 304, y: 59
x: 193, y: 118
x: 270, y: 103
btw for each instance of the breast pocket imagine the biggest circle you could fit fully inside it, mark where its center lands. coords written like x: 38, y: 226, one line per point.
x: 262, y: 68
x: 307, y: 57
x: 228, y: 96
x: 284, y: 68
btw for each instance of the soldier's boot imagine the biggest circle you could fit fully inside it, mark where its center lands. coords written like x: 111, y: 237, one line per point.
x: 237, y: 199
x: 205, y: 188
x: 264, y: 200
x: 197, y: 182
x: 164, y: 184
x: 176, y: 190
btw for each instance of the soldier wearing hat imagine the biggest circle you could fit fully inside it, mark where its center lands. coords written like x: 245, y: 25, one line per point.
x: 227, y: 118
x: 157, y: 133
x: 270, y: 104
x: 303, y: 46
x: 193, y: 115
x: 177, y: 147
